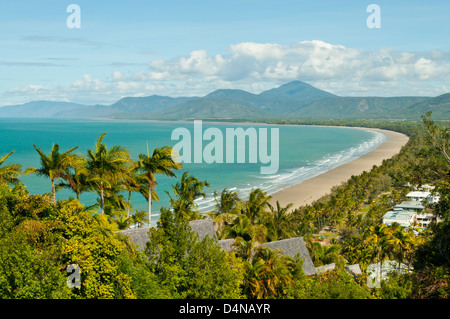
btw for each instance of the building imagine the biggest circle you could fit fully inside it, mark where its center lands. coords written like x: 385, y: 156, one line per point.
x: 291, y: 247
x: 404, y: 218
x: 422, y: 196
x: 139, y: 236
x: 411, y: 205
x: 382, y: 271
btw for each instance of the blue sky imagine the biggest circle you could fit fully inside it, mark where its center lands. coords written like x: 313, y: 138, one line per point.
x: 180, y: 48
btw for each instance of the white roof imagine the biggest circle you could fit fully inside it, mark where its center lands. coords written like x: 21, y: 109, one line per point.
x: 418, y: 194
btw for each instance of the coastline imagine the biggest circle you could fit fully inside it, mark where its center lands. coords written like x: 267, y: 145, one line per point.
x: 314, y: 188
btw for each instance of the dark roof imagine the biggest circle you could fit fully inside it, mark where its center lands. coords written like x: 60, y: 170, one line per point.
x: 354, y: 269
x: 325, y: 268
x: 226, y: 244
x: 290, y: 247
x: 203, y: 228
x: 139, y: 236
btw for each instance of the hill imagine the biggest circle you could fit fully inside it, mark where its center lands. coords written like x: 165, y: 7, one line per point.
x: 39, y: 109
x: 440, y: 106
x: 296, y: 90
x: 294, y: 100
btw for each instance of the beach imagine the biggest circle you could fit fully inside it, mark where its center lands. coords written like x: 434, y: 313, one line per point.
x: 314, y: 188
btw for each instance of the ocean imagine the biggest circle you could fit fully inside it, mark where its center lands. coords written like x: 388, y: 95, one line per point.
x: 304, y: 152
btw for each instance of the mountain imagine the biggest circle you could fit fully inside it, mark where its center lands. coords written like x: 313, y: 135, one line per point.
x: 39, y: 109
x: 206, y: 108
x: 358, y: 108
x: 439, y: 106
x: 296, y: 90
x: 293, y: 100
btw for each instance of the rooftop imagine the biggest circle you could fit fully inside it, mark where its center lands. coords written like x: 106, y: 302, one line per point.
x: 290, y: 247
x: 418, y: 194
x: 203, y: 228
x: 410, y: 204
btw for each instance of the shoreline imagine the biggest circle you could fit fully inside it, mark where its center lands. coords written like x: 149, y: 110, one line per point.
x: 316, y: 187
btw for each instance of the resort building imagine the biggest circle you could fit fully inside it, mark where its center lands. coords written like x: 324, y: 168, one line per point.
x: 410, y: 205
x: 422, y: 196
x: 291, y: 247
x: 407, y: 218
x: 404, y: 218
x: 381, y: 272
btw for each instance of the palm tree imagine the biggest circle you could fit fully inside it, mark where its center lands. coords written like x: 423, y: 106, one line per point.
x: 227, y: 208
x: 256, y: 204
x: 77, y: 177
x: 135, y: 182
x: 106, y: 166
x: 324, y: 255
x: 243, y: 227
x: 9, y: 173
x: 139, y: 218
x: 161, y: 162
x: 268, y: 274
x: 54, y: 166
x: 228, y: 203
x: 186, y: 191
x: 279, y: 222
x: 378, y: 237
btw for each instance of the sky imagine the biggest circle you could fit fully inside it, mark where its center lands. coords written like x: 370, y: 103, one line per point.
x: 191, y: 48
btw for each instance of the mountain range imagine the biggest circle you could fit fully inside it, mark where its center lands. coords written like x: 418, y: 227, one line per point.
x: 293, y: 100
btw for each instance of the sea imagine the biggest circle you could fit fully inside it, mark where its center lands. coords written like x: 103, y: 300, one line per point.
x: 303, y: 152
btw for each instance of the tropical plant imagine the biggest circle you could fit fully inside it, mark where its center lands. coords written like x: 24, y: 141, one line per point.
x: 9, y: 173
x: 161, y: 162
x: 186, y: 191
x: 106, y: 167
x: 279, y: 222
x: 54, y: 166
x: 77, y: 177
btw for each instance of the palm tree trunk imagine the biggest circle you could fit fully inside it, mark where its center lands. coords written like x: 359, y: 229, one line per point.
x: 102, y: 197
x: 149, y: 206
x: 54, y: 191
x: 129, y: 203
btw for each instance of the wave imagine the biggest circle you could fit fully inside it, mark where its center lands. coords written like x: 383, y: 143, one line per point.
x: 272, y: 184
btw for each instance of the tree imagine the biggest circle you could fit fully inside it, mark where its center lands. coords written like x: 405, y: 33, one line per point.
x: 269, y: 274
x: 186, y: 191
x: 256, y: 205
x: 279, y: 222
x: 324, y: 255
x: 228, y: 203
x: 378, y: 237
x: 440, y: 137
x: 106, y: 166
x: 161, y: 162
x: 189, y: 267
x: 77, y: 177
x: 9, y: 173
x: 54, y: 166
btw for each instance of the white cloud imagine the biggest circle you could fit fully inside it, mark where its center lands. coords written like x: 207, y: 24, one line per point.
x: 259, y: 66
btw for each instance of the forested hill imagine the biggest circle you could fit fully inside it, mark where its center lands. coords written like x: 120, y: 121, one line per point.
x: 294, y: 100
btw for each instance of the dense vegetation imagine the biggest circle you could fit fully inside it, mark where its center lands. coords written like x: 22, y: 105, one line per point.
x: 40, y: 236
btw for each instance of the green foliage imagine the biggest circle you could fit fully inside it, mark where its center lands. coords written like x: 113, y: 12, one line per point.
x: 40, y: 237
x: 29, y: 271
x: 337, y: 284
x: 188, y: 267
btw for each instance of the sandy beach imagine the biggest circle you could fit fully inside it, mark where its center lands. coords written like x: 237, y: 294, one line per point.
x: 312, y: 189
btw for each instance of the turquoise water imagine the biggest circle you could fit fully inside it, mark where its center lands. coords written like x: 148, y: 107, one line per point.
x: 304, y: 152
